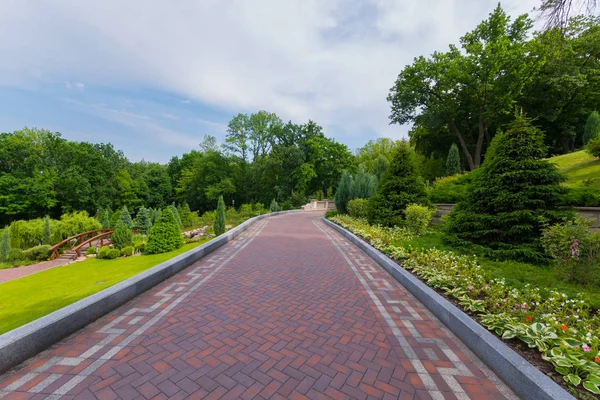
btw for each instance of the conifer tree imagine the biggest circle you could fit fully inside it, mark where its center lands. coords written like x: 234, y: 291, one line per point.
x: 343, y: 193
x: 5, y: 247
x: 122, y: 237
x: 364, y: 184
x: 114, y: 218
x: 186, y: 215
x: 164, y: 235
x: 453, y: 161
x: 592, y: 128
x: 106, y: 219
x: 274, y: 207
x: 47, y: 235
x: 176, y: 215
x: 142, y: 221
x: 126, y: 217
x: 399, y: 186
x: 513, y: 195
x: 219, y: 225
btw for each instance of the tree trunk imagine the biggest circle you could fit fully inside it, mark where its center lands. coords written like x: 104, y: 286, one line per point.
x: 463, y: 145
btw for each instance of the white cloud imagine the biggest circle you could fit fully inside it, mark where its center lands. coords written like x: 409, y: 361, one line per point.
x: 77, y: 85
x: 330, y: 61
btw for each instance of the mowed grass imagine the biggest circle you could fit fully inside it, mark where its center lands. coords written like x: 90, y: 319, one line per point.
x: 29, y: 298
x: 578, y: 167
x: 516, y: 274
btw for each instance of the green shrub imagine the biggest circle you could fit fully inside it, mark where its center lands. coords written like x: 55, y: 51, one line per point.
x: 399, y: 186
x: 164, y: 235
x: 513, y: 196
x: 450, y: 189
x: 298, y: 198
x: 592, y: 128
x: 575, y: 250
x: 188, y: 218
x: 418, y: 218
x: 344, y: 192
x: 47, y: 235
x: 106, y: 218
x: 287, y: 205
x: 122, y: 237
x: 139, y: 246
x: 142, y: 221
x: 593, y: 147
x: 176, y: 215
x: 127, y: 251
x: 246, y: 211
x: 16, y: 255
x: 358, y: 208
x: 37, y: 253
x: 219, y: 225
x: 103, y: 252
x: 453, y: 161
x: 5, y: 246
x: 583, y: 196
x: 126, y: 217
x: 274, y: 207
x: 113, y: 253
x: 258, y: 207
x: 364, y: 184
x: 231, y: 214
x: 77, y: 222
x: 331, y: 213
x: 91, y: 251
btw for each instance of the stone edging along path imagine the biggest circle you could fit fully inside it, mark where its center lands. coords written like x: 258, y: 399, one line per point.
x: 28, y: 340
x: 526, y: 380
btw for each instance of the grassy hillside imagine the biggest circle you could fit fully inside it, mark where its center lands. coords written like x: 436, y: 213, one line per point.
x: 578, y: 167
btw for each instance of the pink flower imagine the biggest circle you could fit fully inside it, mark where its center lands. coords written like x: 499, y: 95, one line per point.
x: 524, y: 305
x: 470, y: 287
x: 586, y: 348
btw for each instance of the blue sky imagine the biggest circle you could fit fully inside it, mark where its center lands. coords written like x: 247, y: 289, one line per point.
x: 154, y: 77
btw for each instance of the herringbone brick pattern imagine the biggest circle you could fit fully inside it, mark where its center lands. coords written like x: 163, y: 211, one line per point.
x: 289, y: 310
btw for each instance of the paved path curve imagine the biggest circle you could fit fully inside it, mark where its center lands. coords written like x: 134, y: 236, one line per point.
x: 289, y: 310
x: 10, y: 274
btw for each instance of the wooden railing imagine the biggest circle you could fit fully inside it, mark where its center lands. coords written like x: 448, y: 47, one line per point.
x: 74, y: 241
x: 104, y: 238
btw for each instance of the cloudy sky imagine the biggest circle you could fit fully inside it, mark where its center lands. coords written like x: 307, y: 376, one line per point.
x: 153, y: 77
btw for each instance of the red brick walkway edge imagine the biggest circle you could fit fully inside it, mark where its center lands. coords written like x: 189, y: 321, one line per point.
x: 28, y: 340
x: 526, y: 380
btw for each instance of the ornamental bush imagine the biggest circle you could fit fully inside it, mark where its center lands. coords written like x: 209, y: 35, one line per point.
x: 575, y: 251
x: 219, y: 224
x: 398, y: 187
x: 246, y: 211
x: 343, y: 193
x: 113, y: 253
x: 358, y: 208
x: 176, y: 215
x: 5, y: 245
x: 453, y: 161
x: 512, y: 198
x: 418, y: 218
x: 364, y: 184
x: 127, y: 251
x: 164, y: 235
x: 188, y: 218
x: 122, y: 237
x: 103, y: 252
x: 126, y: 217
x: 47, y: 234
x: 37, y: 253
x: 593, y: 147
x: 106, y: 219
x: 274, y: 207
x: 16, y: 255
x: 592, y: 128
x: 91, y: 251
x: 142, y: 221
x: 114, y: 218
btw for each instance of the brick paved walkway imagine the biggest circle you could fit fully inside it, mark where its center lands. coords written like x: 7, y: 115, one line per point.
x: 290, y: 309
x: 15, y: 273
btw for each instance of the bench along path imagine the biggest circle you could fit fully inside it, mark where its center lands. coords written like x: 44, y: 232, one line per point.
x: 290, y: 309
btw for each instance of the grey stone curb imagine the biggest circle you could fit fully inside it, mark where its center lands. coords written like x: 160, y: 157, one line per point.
x: 28, y: 340
x: 524, y: 379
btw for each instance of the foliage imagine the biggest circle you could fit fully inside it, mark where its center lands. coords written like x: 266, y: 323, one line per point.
x: 115, y: 218
x: 16, y: 255
x: 563, y: 330
x: 127, y: 251
x: 274, y: 207
x: 126, y: 218
x: 106, y: 218
x: 246, y: 211
x: 375, y: 156
x: 5, y: 246
x: 122, y: 237
x: 399, y: 186
x: 331, y: 213
x: 418, y: 218
x: 593, y: 147
x: 91, y: 251
x: 37, y: 253
x: 358, y: 208
x: 142, y: 221
x: 364, y: 184
x: 575, y: 250
x: 219, y: 223
x: 103, y: 252
x: 165, y: 235
x: 188, y: 218
x: 583, y: 196
x: 512, y: 197
x: 176, y: 215
x: 450, y: 189
x: 47, y: 235
x: 344, y: 192
x: 113, y: 253
x: 453, y: 161
x: 592, y: 128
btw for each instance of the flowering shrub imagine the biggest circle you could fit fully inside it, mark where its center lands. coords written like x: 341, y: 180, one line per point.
x: 562, y: 329
x: 575, y: 250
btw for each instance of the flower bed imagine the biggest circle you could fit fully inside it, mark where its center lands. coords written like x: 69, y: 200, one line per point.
x: 561, y: 329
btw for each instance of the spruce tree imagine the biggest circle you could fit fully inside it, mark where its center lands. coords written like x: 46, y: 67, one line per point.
x: 513, y: 196
x: 219, y: 225
x: 398, y: 187
x: 453, y: 161
x: 122, y: 237
x: 5, y: 247
x: 187, y: 218
x: 364, y: 184
x: 142, y: 221
x: 343, y: 193
x: 114, y: 218
x: 274, y: 207
x: 592, y: 128
x: 47, y: 236
x: 164, y: 235
x: 126, y: 217
x: 106, y: 219
x: 176, y: 215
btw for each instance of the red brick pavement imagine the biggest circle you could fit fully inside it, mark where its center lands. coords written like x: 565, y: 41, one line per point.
x: 289, y: 310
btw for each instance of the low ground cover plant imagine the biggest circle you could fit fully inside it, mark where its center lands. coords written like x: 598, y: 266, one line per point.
x: 564, y: 330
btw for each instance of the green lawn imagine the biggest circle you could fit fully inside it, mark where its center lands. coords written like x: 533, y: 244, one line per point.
x: 516, y: 274
x: 26, y: 299
x: 578, y: 167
